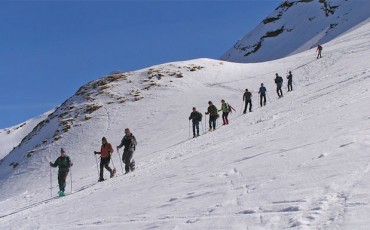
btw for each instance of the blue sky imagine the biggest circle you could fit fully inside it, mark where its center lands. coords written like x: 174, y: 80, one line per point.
x: 49, y: 49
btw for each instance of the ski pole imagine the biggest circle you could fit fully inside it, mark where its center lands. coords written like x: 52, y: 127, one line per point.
x: 120, y: 160
x: 205, y: 123
x: 97, y: 168
x: 112, y: 163
x: 189, y: 128
x: 51, y: 183
x: 202, y: 126
x: 70, y: 171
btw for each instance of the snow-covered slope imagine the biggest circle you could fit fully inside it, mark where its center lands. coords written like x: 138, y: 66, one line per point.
x: 11, y: 137
x: 297, y: 26
x: 300, y: 162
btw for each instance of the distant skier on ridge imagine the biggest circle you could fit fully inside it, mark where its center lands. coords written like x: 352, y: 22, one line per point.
x: 318, y: 50
x: 64, y: 163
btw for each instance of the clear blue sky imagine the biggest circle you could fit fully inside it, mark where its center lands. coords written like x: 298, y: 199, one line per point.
x: 49, y: 49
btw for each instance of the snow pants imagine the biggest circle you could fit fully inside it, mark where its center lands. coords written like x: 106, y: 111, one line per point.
x: 62, y: 176
x: 246, y: 105
x: 104, y: 163
x: 290, y: 86
x: 263, y: 96
x: 212, y: 122
x: 224, y: 118
x: 195, y: 126
x: 126, y: 158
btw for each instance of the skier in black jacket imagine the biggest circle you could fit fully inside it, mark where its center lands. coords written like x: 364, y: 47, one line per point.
x: 64, y: 163
x: 129, y: 142
x: 195, y: 117
x: 247, y: 98
x: 290, y: 81
x: 279, y: 83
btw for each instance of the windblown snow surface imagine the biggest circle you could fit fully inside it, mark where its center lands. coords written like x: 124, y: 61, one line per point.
x: 300, y: 162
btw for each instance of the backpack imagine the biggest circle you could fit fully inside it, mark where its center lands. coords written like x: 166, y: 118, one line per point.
x: 199, y: 116
x: 229, y: 108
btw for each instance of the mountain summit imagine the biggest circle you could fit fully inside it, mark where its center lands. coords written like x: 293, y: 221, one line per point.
x: 296, y: 26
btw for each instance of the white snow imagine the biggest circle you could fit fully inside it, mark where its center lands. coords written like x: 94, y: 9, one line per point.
x: 301, y: 162
x: 305, y: 24
x: 11, y: 137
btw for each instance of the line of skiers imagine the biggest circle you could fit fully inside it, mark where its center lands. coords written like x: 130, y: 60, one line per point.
x: 129, y: 141
x: 196, y: 117
x: 63, y: 162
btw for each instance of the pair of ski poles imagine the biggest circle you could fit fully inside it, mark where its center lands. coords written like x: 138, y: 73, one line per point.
x: 97, y: 168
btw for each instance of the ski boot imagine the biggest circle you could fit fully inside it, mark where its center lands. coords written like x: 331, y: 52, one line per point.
x: 132, y: 165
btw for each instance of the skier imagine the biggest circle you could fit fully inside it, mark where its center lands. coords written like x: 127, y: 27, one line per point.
x: 318, y: 50
x: 129, y: 142
x: 64, y: 163
x: 213, y: 115
x: 279, y: 84
x: 247, y: 98
x: 196, y: 117
x: 225, y: 112
x: 290, y: 81
x: 262, y: 92
x: 106, y: 151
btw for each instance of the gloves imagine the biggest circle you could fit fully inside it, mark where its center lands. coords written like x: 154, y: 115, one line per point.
x: 95, y: 152
x: 51, y: 164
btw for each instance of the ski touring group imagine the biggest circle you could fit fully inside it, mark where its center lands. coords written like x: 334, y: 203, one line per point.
x: 212, y: 111
x: 128, y: 142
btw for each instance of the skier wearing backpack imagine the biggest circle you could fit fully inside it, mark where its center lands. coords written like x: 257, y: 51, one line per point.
x: 318, y: 50
x: 195, y: 117
x: 247, y: 98
x: 213, y: 115
x: 290, y: 81
x: 129, y: 142
x: 64, y: 163
x: 279, y: 84
x: 106, y: 151
x: 262, y: 92
x: 225, y: 108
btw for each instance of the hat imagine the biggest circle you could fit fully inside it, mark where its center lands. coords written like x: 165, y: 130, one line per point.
x: 62, y: 150
x: 210, y: 102
x: 104, y: 139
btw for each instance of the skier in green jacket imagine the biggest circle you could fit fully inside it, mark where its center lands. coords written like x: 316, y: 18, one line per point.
x: 225, y: 112
x: 213, y: 115
x: 64, y: 163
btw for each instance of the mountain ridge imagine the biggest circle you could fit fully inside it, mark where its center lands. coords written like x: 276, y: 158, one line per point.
x: 296, y: 26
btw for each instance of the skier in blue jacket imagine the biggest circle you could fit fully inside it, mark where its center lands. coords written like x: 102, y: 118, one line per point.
x: 262, y: 92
